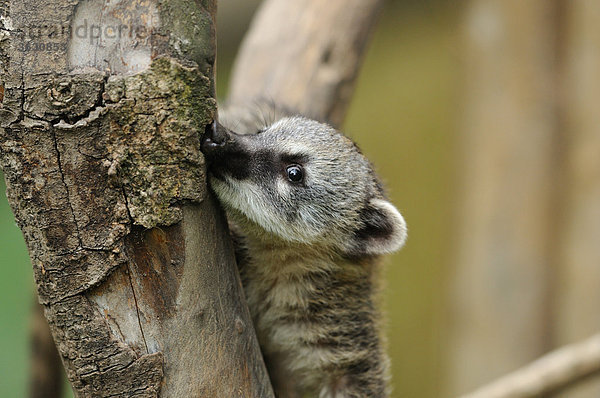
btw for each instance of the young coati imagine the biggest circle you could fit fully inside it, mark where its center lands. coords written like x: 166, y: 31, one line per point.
x: 310, y: 218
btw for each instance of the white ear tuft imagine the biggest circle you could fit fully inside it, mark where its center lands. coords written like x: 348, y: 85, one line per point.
x: 383, y: 229
x: 396, y: 239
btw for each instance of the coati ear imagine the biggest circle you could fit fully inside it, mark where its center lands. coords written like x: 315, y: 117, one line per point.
x: 383, y: 229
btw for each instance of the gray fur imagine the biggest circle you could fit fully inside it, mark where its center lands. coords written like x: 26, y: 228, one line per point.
x: 308, y: 250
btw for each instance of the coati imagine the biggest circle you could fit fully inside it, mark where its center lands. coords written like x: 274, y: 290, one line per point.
x: 310, y: 219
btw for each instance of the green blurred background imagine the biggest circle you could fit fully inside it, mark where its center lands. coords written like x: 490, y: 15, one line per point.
x: 402, y: 118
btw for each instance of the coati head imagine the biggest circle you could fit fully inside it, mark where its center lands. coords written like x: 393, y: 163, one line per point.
x: 304, y: 182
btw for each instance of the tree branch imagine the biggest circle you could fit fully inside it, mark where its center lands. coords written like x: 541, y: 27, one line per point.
x: 304, y: 55
x: 548, y: 374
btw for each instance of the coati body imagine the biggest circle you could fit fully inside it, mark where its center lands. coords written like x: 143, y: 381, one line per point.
x: 310, y: 219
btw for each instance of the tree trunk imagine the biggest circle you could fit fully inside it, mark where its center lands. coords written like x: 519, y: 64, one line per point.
x: 99, y: 144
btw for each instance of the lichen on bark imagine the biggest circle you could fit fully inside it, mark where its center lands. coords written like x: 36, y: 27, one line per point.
x: 89, y: 153
x: 101, y: 153
x: 155, y: 120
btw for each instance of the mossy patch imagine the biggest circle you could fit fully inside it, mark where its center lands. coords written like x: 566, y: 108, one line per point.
x: 156, y: 118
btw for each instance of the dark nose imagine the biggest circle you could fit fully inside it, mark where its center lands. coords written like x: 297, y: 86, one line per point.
x: 215, y: 137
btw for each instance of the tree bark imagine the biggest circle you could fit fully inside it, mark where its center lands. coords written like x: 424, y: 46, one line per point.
x: 99, y: 144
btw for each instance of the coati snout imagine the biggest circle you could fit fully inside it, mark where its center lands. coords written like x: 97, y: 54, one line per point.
x: 225, y: 152
x: 214, y: 136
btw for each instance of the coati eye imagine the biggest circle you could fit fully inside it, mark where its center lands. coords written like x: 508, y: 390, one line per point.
x: 295, y: 173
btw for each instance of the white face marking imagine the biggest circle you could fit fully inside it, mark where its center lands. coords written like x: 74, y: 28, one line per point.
x: 250, y: 199
x: 249, y: 202
x: 283, y: 188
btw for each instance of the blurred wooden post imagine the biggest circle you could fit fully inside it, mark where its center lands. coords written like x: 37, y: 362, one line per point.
x: 578, y: 290
x: 502, y: 273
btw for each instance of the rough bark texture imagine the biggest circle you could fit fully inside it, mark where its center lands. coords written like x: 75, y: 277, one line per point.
x: 99, y: 143
x: 304, y: 55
